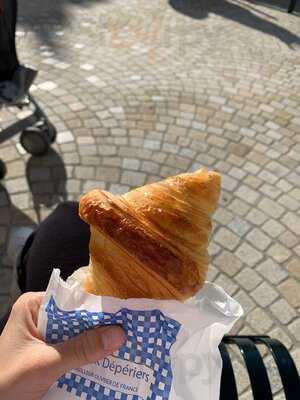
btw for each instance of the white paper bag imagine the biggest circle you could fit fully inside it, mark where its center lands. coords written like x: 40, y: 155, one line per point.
x: 171, y: 351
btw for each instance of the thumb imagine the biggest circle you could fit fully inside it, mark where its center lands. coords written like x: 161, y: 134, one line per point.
x: 89, y: 347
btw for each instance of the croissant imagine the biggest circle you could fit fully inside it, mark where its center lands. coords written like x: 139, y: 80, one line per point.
x: 152, y: 241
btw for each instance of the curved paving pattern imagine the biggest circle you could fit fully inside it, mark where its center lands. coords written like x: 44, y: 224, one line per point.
x: 142, y: 90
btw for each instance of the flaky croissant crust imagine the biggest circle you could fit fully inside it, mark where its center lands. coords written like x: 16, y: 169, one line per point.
x: 163, y: 228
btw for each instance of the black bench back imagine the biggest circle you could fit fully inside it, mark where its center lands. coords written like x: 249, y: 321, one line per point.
x: 257, y: 372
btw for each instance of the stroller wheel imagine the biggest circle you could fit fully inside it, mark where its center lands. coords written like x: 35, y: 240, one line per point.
x: 36, y: 140
x: 52, y: 132
x: 2, y: 169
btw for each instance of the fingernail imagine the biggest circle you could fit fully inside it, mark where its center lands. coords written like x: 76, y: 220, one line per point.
x: 112, y: 338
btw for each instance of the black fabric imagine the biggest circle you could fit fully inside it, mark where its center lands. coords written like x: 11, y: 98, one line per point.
x: 8, y: 54
x: 61, y: 241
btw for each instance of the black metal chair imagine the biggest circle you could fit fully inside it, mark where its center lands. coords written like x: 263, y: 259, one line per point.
x: 37, y: 132
x: 257, y: 372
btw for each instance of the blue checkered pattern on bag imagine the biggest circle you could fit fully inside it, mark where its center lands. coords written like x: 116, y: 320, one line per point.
x: 150, y: 335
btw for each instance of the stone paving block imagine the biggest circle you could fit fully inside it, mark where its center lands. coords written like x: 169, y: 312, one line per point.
x: 248, y: 254
x: 268, y: 177
x: 239, y: 226
x: 93, y: 184
x: 106, y: 150
x: 256, y: 217
x: 213, y: 248
x: 290, y: 291
x: 258, y: 317
x: 222, y: 216
x: 188, y: 153
x: 227, y: 284
x: 170, y: 148
x: 14, y: 169
x: 283, y: 311
x: 289, y: 202
x: 277, y: 169
x: 278, y: 333
x: 228, y: 183
x: 178, y: 162
x: 66, y: 147
x: 295, y: 193
x: 292, y: 221
x: 47, y: 86
x: 167, y: 171
x: 228, y: 263
x: 212, y: 273
x: 108, y: 174
x: 131, y: 163
x: 226, y: 238
x: 270, y: 191
x: 118, y: 189
x: 253, y: 182
x: 247, y: 194
x: 279, y: 253
x: 64, y: 137
x: 17, y: 185
x: 150, y: 167
x: 133, y: 179
x: 223, y: 167
x: 246, y: 302
x: 205, y: 160
x: 71, y: 158
x: 22, y: 199
x: 273, y: 228
x: 152, y: 144
x: 297, y: 250
x: 258, y: 239
x: 248, y: 278
x: 85, y: 172
x: 251, y: 168
x: 71, y: 186
x: 264, y: 294
x: 294, y: 328
x: 272, y: 271
x: 239, y: 207
x: 78, y: 106
x: 111, y: 161
x: 288, y: 239
x: 271, y: 208
x: 293, y: 268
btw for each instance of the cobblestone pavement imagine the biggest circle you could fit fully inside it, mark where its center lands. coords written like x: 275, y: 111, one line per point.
x: 142, y: 90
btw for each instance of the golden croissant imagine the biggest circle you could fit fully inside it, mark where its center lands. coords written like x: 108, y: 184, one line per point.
x: 152, y: 241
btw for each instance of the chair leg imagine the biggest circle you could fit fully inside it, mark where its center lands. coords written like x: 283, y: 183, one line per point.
x: 292, y: 6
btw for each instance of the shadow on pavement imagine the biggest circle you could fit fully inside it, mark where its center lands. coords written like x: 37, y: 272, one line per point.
x: 11, y: 217
x: 46, y: 177
x: 15, y: 229
x: 46, y: 17
x: 200, y: 9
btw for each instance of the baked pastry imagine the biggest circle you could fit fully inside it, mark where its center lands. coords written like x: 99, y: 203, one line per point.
x: 152, y: 241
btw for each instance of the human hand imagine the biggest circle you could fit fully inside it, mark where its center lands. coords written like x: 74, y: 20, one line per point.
x: 29, y: 366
